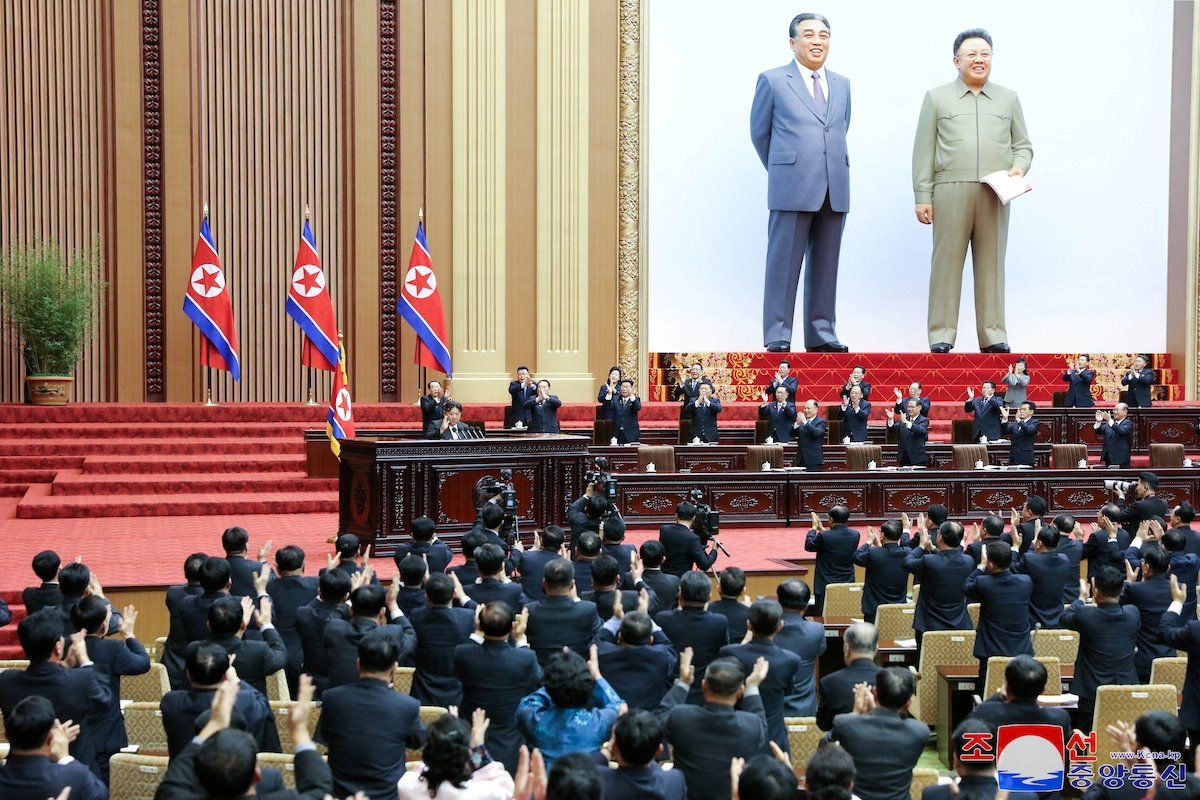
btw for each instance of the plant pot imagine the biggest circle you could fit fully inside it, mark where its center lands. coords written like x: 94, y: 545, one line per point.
x: 49, y: 390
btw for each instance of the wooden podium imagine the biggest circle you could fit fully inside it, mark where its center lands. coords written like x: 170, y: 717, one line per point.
x: 385, y: 483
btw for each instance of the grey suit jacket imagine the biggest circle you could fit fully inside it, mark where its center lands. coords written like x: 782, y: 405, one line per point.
x: 803, y: 149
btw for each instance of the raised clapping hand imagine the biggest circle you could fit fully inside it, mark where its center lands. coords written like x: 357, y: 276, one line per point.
x: 758, y: 674
x: 864, y: 698
x: 1178, y: 592
x: 687, y: 670
x: 529, y: 781
x: 970, y: 393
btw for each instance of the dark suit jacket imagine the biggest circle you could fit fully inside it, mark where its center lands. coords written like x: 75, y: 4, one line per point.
x: 1049, y: 573
x: 438, y: 554
x: 791, y: 383
x: 810, y: 443
x: 1151, y: 596
x: 341, y: 638
x: 1107, y: 640
x: 882, y: 773
x: 807, y: 640
x: 492, y: 590
x: 704, y: 738
x: 467, y: 572
x: 650, y: 782
x: 778, y: 685
x: 836, y: 690
x: 439, y: 632
x: 688, y: 391
x: 975, y: 549
x: 112, y: 659
x: 583, y: 577
x: 779, y: 420
x: 911, y: 441
x: 313, y: 781
x: 310, y: 627
x: 519, y: 394
x: 1139, y: 387
x: 640, y: 674
x: 866, y: 390
x: 986, y: 411
x: 35, y: 598
x: 181, y: 707
x: 543, y: 415
x: 1079, y: 390
x: 941, y: 605
x: 999, y: 712
x: 886, y: 581
x: 36, y: 778
x: 736, y: 617
x: 432, y: 413
x: 1117, y: 438
x: 1021, y: 435
x: 624, y: 416
x: 193, y: 614
x: 76, y: 694
x: 559, y: 622
x: 901, y: 406
x: 704, y: 419
x: 495, y: 676
x: 705, y: 632
x: 533, y: 568
x: 1184, y: 634
x: 177, y: 638
x: 629, y: 599
x: 288, y: 595
x: 854, y: 423
x: 464, y: 431
x: 1099, y: 550
x: 1003, y: 599
x: 835, y: 555
x: 971, y: 787
x: 683, y: 550
x: 255, y: 660
x: 1073, y: 550
x: 665, y: 586
x: 243, y: 571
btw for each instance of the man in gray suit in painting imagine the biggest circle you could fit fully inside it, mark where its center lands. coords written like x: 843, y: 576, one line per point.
x: 798, y: 123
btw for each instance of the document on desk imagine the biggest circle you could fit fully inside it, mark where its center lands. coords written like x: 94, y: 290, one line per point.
x: 1007, y: 186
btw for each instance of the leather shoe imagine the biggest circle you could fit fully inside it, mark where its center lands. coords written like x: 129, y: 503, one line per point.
x: 779, y: 347
x: 940, y: 347
x: 999, y: 347
x: 829, y: 347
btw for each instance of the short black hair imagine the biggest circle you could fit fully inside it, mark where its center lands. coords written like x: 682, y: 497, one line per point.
x: 991, y: 384
x: 639, y: 734
x: 732, y: 581
x: 1174, y: 541
x: 29, y: 723
x: 234, y: 540
x: 453, y: 405
x: 963, y: 745
x: 694, y: 588
x: 951, y: 533
x: 636, y: 628
x: 1065, y: 523
x: 412, y: 570
x: 1157, y: 556
x: 225, y: 616
x: 225, y: 763
x: 1185, y: 512
x: 496, y: 619
x: 1160, y: 732
x: 1025, y: 678
x: 830, y: 773
x: 333, y: 585
x: 613, y: 529
x: 73, y: 579
x: 472, y: 541
x: 422, y: 529
x: 892, y: 530
x: 40, y: 633
x: 993, y: 525
x: 447, y: 751
x: 793, y: 594
x: 894, y: 686
x: 764, y: 617
x: 724, y: 676
x: 377, y: 652
x: 1109, y: 580
x: 1048, y: 535
x: 192, y: 565
x: 567, y: 680
x: 289, y: 558
x: 367, y: 601
x: 685, y: 511
x: 588, y: 544
x: 490, y: 559
x: 574, y: 776
x: 215, y: 574
x: 1036, y: 505
x: 938, y: 513
x: 623, y: 381
x: 1032, y: 405
x: 999, y: 554
x: 439, y: 588
x: 207, y: 664
x: 553, y: 537
x: 839, y: 515
x: 767, y: 778
x: 543, y: 380
x: 652, y: 553
x: 1149, y: 478
x: 88, y: 614
x: 558, y: 574
x: 605, y: 571
x: 974, y: 33
x: 492, y: 516
x: 522, y: 367
x: 46, y: 564
x: 347, y: 546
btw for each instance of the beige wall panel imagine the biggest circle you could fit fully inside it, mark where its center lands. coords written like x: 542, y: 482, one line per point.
x: 438, y: 166
x: 602, y: 192
x: 521, y: 192
x: 360, y: 126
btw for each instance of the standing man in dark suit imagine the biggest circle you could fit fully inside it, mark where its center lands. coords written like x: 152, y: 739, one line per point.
x: 433, y: 408
x: 729, y: 724
x: 61, y: 671
x: 1023, y: 520
x: 290, y: 592
x: 587, y: 550
x: 879, y: 717
x: 637, y: 739
x: 426, y: 545
x: 798, y: 124
x: 985, y: 411
x: 1079, y: 383
x: 176, y: 644
x: 1107, y: 640
x: 809, y: 433
x: 1151, y: 595
x: 547, y: 546
x: 367, y: 725
x: 912, y: 432
x: 521, y: 390
x: 35, y: 598
x: 1022, y: 433
x: 688, y: 390
x: 1116, y: 429
x: 804, y: 638
x: 665, y: 585
x: 1107, y: 544
x: 1184, y: 634
x: 1071, y: 546
x: 992, y: 530
x: 914, y: 393
x: 193, y: 609
x: 495, y: 675
x: 766, y: 620
x: 607, y: 594
x: 1181, y: 520
x: 228, y: 619
x: 371, y: 608
x: 543, y: 410
x: 492, y: 584
x: 1139, y: 379
x: 440, y: 629
x: 885, y: 580
x: 1024, y: 681
x: 855, y: 414
x: 1003, y: 598
x: 694, y: 626
x: 637, y: 662
x: 453, y: 428
x: 348, y: 557
x: 941, y: 605
x: 785, y: 379
x: 34, y: 768
x: 976, y: 780
x: 625, y: 409
x: 1050, y: 571
x: 734, y: 604
x: 836, y: 690
x: 683, y: 547
x: 242, y: 571
x: 561, y: 620
x: 704, y: 411
x: 333, y: 589
x: 780, y: 414
x: 207, y: 665
x: 835, y: 552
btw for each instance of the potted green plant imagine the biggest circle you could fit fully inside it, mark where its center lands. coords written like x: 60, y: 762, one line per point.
x: 49, y: 300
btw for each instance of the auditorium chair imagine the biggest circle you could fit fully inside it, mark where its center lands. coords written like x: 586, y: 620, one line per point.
x: 685, y: 431
x: 132, y: 776
x: 961, y: 431
x: 843, y: 600
x: 939, y: 648
x: 1056, y: 643
x: 148, y: 687
x: 895, y: 621
x: 661, y: 456
x: 1067, y: 456
x: 144, y: 727
x: 509, y: 417
x: 973, y: 613
x: 15, y: 663
x: 403, y: 679
x: 429, y: 715
x: 759, y: 454
x: 1166, y: 456
x: 160, y: 647
x: 277, y: 687
x: 804, y: 737
x: 762, y: 429
x: 966, y: 456
x: 284, y: 762
x: 602, y: 432
x: 1172, y: 670
x: 1060, y: 399
x: 922, y: 779
x: 1125, y: 704
x: 859, y: 455
x: 280, y: 711
x: 994, y: 677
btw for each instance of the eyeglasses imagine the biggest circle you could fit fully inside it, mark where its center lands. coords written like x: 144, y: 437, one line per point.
x: 972, y: 56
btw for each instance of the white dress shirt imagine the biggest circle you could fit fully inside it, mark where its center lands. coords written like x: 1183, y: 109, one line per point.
x: 807, y: 75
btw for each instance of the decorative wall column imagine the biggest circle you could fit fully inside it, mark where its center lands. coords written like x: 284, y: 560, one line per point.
x: 562, y: 197
x: 631, y: 189
x: 477, y: 46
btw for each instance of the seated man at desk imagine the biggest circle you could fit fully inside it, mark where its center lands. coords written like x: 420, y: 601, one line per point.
x: 912, y: 433
x: 452, y: 425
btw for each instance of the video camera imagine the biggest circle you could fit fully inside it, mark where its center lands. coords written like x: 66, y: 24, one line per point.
x: 599, y: 478
x: 707, y: 523
x: 1120, y: 487
x: 503, y: 486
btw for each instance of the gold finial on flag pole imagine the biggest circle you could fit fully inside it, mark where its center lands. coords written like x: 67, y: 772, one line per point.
x: 306, y: 210
x: 421, y: 214
x: 206, y: 209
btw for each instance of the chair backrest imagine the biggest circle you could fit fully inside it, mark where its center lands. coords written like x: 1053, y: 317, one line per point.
x: 281, y: 712
x: 1125, y: 704
x: 1067, y: 456
x: 403, y: 679
x: 895, y: 621
x: 858, y: 456
x: 17, y: 663
x: 922, y: 779
x: 996, y: 665
x: 160, y: 645
x: 429, y: 715
x: 843, y: 600
x: 966, y: 456
x: 804, y: 737
x: 661, y: 456
x: 759, y: 454
x: 132, y: 776
x: 148, y: 687
x: 1170, y: 670
x: 973, y: 613
x: 961, y: 430
x: 1166, y: 455
x: 685, y: 431
x: 284, y: 762
x: 602, y: 431
x: 762, y: 429
x: 144, y: 727
x: 277, y: 687
x: 939, y: 648
x: 1062, y: 644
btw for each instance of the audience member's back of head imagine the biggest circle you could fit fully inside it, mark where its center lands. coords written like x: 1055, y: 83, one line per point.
x: 446, y: 752
x: 605, y: 571
x: 992, y: 525
x: 553, y: 538
x: 1036, y: 505
x: 1174, y: 541
x: 1160, y: 732
x: 215, y: 574
x: 724, y: 676
x: 1048, y: 535
x: 489, y: 558
x: 234, y: 540
x: 861, y: 637
x: 496, y: 619
x: 573, y: 777
x: 685, y: 511
x: 695, y: 589
x: 225, y: 763
x: 73, y: 579
x: 830, y: 774
x: 732, y: 582
x: 412, y: 571
x: 764, y: 618
x: 588, y: 545
x: 894, y: 687
x: 793, y: 595
x: 962, y: 744
x: 207, y: 664
x: 1109, y: 581
x: 639, y: 734
x: 29, y: 722
x: 613, y: 530
x: 492, y: 516
x: 839, y: 515
x: 652, y: 553
x: 88, y: 614
x: 950, y: 533
x: 346, y: 546
x: 558, y: 575
x: 192, y: 566
x: 225, y: 616
x: 39, y: 633
x: 333, y: 585
x: 439, y: 588
x: 377, y: 652
x: 567, y: 680
x: 289, y: 559
x: 767, y: 778
x: 999, y: 555
x: 46, y: 564
x: 938, y: 513
x: 1025, y: 678
x: 892, y: 530
x: 423, y: 529
x: 1065, y: 523
x: 1157, y: 557
x: 472, y: 542
x: 636, y: 628
x: 367, y: 601
x: 1185, y: 513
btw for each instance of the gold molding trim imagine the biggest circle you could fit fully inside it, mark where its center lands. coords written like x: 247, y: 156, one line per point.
x: 1191, y: 372
x: 631, y: 190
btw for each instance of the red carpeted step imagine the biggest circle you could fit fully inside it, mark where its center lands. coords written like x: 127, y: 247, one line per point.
x: 193, y: 462
x: 40, y: 462
x: 178, y: 446
x: 27, y: 475
x: 38, y: 503
x: 14, y: 489
x: 8, y: 634
x: 11, y: 652
x: 73, y: 483
x: 164, y: 430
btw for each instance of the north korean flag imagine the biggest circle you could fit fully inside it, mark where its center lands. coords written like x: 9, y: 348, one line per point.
x: 208, y: 305
x: 339, y: 422
x: 420, y: 304
x: 311, y: 306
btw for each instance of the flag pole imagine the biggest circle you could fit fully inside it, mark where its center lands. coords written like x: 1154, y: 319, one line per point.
x: 309, y: 377
x: 422, y: 378
x: 204, y: 368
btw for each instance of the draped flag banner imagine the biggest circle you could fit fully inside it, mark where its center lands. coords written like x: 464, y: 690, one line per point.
x: 311, y: 306
x: 208, y: 305
x: 340, y: 421
x: 420, y: 305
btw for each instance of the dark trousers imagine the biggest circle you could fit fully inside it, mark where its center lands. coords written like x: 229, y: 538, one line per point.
x: 794, y: 237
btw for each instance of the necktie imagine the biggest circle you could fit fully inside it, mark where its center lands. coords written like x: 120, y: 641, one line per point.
x: 818, y: 92
x: 454, y: 432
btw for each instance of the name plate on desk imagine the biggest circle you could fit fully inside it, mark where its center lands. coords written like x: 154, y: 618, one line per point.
x: 964, y: 686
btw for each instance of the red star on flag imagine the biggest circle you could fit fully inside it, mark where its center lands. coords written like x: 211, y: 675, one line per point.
x: 311, y: 282
x: 209, y: 281
x: 420, y: 281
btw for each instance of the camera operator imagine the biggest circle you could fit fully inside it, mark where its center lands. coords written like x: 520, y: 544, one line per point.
x: 491, y: 518
x: 684, y: 547
x: 1141, y: 503
x: 612, y: 542
x: 586, y: 512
